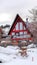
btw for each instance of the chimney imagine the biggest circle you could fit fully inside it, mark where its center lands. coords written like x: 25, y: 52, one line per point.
x: 27, y: 23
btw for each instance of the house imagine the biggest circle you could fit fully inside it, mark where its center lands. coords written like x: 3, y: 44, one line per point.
x: 19, y: 30
x: 4, y: 39
x: 5, y: 28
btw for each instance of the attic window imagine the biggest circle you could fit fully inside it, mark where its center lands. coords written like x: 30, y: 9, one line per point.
x: 17, y: 26
x: 21, y: 25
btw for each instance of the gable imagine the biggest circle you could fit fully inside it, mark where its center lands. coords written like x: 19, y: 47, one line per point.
x: 17, y: 20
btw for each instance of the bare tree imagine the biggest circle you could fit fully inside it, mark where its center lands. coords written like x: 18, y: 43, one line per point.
x: 33, y: 25
x: 33, y: 13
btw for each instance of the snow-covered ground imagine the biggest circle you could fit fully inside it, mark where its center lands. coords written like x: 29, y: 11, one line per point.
x: 11, y: 56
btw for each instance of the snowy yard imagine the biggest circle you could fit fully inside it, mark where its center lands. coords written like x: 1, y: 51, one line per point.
x: 11, y: 56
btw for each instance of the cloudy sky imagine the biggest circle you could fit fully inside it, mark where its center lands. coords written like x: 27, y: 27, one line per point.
x: 9, y: 9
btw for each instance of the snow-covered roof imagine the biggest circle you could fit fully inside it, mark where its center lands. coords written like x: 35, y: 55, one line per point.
x: 31, y: 45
